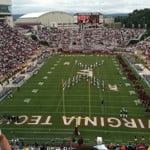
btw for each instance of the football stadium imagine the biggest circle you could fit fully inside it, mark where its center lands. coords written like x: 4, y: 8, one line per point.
x: 62, y: 88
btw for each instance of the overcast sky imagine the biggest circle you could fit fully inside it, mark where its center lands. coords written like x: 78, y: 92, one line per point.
x: 103, y: 6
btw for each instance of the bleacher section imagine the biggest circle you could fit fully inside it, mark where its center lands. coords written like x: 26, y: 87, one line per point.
x: 147, y: 78
x: 72, y: 144
x: 139, y: 68
x: 5, y: 92
x: 40, y: 61
x: 89, y: 39
x: 32, y: 70
x: 18, y: 79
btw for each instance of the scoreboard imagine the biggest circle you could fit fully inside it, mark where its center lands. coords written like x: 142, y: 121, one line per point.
x: 88, y: 18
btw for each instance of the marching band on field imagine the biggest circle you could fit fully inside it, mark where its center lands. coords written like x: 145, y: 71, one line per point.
x: 76, y: 78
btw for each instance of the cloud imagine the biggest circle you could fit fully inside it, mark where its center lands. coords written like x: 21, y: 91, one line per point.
x: 104, y: 6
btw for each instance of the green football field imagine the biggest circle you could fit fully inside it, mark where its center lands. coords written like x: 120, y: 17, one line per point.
x: 47, y: 111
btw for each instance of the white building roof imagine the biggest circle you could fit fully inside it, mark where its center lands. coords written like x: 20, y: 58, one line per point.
x: 33, y: 15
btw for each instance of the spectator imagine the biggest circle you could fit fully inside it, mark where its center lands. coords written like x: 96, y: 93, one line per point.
x: 117, y: 147
x: 100, y: 145
x: 4, y: 144
x: 80, y: 144
x: 135, y: 139
x: 123, y: 147
x: 140, y: 147
x: 110, y: 146
x: 143, y: 139
x: 76, y: 131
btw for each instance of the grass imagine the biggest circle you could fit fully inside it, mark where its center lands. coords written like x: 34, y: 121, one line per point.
x: 48, y: 101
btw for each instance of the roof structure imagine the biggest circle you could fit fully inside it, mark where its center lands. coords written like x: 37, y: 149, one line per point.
x: 38, y: 14
x: 33, y: 15
x: 88, y: 13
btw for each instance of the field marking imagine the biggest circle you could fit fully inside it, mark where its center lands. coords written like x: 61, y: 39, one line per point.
x: 113, y: 131
x: 78, y: 113
x: 27, y: 100
x: 59, y: 105
x: 85, y: 130
x: 124, y: 78
x: 49, y: 72
x: 132, y: 92
x: 137, y: 102
x: 127, y: 84
x: 35, y: 91
x: 95, y: 106
x: 40, y: 83
x: 45, y: 77
x: 70, y: 105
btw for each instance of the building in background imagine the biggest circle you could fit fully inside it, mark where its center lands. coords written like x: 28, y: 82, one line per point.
x: 109, y: 22
x: 47, y: 19
x: 5, y: 12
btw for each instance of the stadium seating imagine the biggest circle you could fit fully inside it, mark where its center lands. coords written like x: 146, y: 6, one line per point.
x: 88, y: 39
x: 144, y: 46
x: 4, y: 93
x: 14, y: 44
x: 64, y: 144
x: 18, y: 80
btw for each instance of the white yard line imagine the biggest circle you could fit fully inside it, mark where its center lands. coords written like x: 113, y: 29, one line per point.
x: 85, y: 130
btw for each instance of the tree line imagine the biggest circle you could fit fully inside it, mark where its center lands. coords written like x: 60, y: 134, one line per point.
x: 136, y: 19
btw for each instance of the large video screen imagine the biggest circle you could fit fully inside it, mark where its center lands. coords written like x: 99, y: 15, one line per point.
x: 88, y: 19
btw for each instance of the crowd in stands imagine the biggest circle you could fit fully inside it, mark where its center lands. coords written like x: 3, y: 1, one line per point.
x: 15, y: 50
x: 79, y: 144
x: 89, y: 39
x: 144, y: 46
x: 72, y: 144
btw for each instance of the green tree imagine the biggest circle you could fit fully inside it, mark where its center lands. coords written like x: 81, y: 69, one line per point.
x: 139, y: 18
